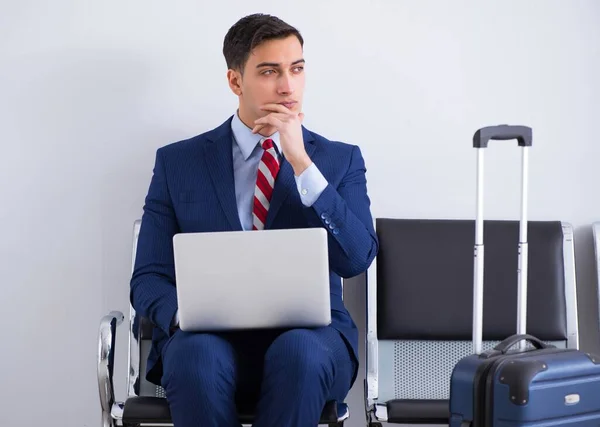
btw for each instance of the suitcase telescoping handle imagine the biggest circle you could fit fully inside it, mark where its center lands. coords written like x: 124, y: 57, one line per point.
x: 523, y: 135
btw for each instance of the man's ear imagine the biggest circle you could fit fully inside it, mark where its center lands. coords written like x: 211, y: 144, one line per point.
x: 234, y: 78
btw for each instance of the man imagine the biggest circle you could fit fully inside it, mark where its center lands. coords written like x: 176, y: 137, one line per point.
x: 261, y: 169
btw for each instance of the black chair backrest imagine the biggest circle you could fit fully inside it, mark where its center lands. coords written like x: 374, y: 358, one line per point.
x: 425, y: 280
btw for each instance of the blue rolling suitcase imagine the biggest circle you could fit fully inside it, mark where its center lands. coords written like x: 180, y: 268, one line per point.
x: 516, y: 384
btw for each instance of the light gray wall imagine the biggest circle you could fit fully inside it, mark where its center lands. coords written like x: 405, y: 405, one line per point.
x: 89, y: 90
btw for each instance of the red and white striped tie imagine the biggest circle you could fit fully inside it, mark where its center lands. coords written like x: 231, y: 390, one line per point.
x: 268, y: 168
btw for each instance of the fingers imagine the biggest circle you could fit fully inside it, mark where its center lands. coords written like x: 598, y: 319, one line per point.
x: 268, y: 120
x: 279, y: 116
x: 257, y: 128
x: 277, y: 108
x: 271, y: 119
x: 282, y: 111
x: 276, y: 119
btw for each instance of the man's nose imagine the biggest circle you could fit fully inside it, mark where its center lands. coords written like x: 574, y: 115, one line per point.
x: 285, y: 85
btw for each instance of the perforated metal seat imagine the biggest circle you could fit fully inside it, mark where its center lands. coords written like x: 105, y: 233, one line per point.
x: 419, y: 306
x: 146, y: 403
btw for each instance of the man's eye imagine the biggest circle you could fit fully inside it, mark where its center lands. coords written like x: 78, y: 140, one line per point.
x: 298, y: 69
x: 267, y: 72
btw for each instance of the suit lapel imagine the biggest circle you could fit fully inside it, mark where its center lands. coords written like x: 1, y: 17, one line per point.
x: 219, y: 161
x: 285, y: 181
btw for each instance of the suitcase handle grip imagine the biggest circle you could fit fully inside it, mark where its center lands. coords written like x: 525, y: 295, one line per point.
x: 522, y: 134
x: 505, y: 345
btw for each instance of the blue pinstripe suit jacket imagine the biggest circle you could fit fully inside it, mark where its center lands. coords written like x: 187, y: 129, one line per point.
x: 192, y: 190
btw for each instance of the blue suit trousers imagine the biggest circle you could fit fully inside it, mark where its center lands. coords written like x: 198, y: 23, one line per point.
x: 287, y: 376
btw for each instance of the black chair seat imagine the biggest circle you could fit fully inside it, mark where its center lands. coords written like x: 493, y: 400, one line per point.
x: 147, y: 409
x: 406, y: 411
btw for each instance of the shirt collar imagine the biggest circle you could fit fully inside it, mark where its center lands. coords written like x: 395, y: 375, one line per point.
x: 246, y: 140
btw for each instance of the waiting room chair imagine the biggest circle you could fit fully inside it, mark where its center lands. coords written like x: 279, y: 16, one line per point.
x: 420, y: 305
x: 146, y: 404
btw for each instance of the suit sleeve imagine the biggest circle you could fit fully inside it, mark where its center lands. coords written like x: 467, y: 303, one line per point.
x: 345, y: 213
x: 153, y: 293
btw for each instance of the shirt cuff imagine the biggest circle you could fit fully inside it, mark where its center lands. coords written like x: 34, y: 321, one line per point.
x: 311, y: 184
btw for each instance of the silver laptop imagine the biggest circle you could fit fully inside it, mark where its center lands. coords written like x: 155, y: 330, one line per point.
x: 252, y: 279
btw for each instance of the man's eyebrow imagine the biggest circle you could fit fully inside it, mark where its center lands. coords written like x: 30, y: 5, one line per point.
x: 276, y: 64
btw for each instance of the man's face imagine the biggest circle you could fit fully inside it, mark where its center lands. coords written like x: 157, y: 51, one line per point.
x: 274, y: 73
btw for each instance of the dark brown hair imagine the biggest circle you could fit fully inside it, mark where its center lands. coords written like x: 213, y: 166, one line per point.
x: 249, y: 32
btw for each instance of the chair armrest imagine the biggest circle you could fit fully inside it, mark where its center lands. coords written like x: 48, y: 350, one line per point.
x: 106, y: 360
